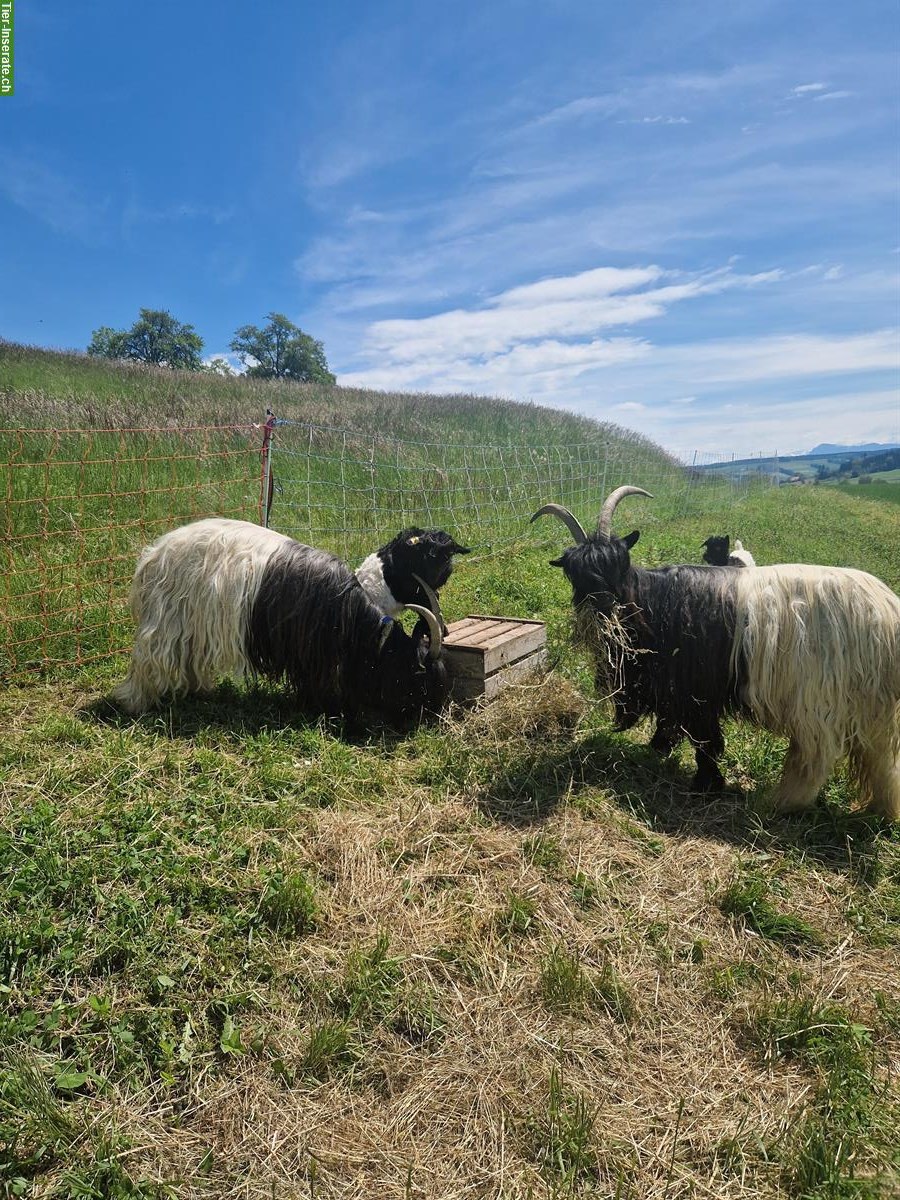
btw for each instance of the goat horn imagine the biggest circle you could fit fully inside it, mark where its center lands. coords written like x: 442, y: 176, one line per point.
x: 434, y: 628
x: 568, y: 519
x: 432, y: 600
x: 604, y: 521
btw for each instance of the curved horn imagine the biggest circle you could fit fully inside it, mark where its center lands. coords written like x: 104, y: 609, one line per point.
x: 432, y: 599
x: 604, y: 521
x: 570, y: 521
x: 434, y: 650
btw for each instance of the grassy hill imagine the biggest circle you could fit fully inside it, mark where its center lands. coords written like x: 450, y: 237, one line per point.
x: 51, y: 388
x: 506, y: 955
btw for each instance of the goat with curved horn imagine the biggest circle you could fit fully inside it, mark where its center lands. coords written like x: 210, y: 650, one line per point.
x: 221, y: 597
x: 568, y: 519
x: 433, y: 600
x: 434, y: 629
x: 604, y: 521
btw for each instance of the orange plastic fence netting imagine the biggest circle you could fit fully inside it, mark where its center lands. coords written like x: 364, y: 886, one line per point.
x: 77, y: 506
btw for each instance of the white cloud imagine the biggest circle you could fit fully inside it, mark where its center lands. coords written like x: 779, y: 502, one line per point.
x: 54, y: 199
x: 659, y: 120
x: 232, y: 359
x: 547, y: 341
x: 584, y: 106
x: 564, y: 307
x: 792, y: 427
x: 783, y: 357
x: 835, y: 95
x: 805, y: 88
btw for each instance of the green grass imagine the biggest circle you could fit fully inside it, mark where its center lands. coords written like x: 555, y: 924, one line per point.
x: 563, y: 1142
x: 97, y: 459
x: 881, y: 488
x: 844, y: 1144
x: 240, y: 953
x: 747, y: 899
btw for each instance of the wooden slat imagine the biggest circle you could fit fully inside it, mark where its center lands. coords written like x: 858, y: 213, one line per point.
x: 477, y: 647
x: 482, y: 662
x: 518, y: 620
x: 512, y: 646
x: 485, y: 637
x: 458, y: 629
x: 467, y: 687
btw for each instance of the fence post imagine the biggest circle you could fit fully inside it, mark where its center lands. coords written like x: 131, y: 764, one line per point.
x: 267, y: 482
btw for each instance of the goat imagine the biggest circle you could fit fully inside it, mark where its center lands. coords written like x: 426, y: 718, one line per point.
x: 410, y: 569
x: 809, y: 652
x: 222, y: 597
x: 717, y: 553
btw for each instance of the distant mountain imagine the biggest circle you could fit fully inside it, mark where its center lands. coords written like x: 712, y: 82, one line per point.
x: 831, y: 448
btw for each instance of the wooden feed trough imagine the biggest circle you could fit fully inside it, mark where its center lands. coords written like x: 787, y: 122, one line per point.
x: 487, y: 654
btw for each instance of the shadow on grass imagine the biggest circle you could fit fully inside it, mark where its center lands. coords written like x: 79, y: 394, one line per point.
x: 657, y: 793
x: 238, y: 713
x: 553, y: 766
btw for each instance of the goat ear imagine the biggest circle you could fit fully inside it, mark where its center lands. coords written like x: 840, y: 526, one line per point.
x: 630, y: 538
x: 556, y: 562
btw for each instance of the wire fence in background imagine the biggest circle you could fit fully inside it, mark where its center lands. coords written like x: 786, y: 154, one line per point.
x: 348, y: 492
x: 79, y: 504
x: 76, y: 506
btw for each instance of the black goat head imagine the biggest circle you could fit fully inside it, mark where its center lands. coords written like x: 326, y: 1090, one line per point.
x: 426, y: 553
x: 716, y: 550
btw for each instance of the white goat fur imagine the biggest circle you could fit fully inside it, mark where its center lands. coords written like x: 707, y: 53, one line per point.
x: 738, y: 556
x: 822, y: 648
x: 190, y: 597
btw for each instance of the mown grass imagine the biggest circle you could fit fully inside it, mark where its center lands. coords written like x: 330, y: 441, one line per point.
x: 242, y: 955
x: 884, y: 487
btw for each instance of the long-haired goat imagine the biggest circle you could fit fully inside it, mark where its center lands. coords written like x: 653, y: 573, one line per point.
x: 716, y: 552
x: 809, y: 652
x: 222, y: 597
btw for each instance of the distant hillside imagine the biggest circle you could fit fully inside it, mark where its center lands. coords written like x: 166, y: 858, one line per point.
x: 864, y: 447
x: 840, y: 464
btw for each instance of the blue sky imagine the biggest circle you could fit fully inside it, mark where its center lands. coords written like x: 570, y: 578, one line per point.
x: 682, y: 217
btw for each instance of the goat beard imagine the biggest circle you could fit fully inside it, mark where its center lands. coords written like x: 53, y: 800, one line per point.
x: 605, y: 636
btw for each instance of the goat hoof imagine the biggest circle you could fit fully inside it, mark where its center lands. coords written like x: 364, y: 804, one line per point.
x: 707, y: 783
x: 662, y: 746
x: 625, y: 722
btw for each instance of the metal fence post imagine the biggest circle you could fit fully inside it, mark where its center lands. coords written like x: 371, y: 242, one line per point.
x: 267, y: 481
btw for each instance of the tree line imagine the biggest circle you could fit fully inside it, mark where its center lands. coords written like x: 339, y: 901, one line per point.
x: 860, y: 466
x: 278, y: 350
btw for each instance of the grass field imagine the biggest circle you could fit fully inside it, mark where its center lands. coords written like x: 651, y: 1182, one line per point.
x: 506, y: 955
x: 881, y: 488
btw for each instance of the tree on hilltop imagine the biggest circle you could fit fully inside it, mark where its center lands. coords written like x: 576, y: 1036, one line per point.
x: 281, y: 350
x: 156, y: 337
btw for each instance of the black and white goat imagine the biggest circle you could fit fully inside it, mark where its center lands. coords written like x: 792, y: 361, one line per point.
x: 221, y: 597
x: 718, y: 552
x: 410, y: 569
x: 809, y: 652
